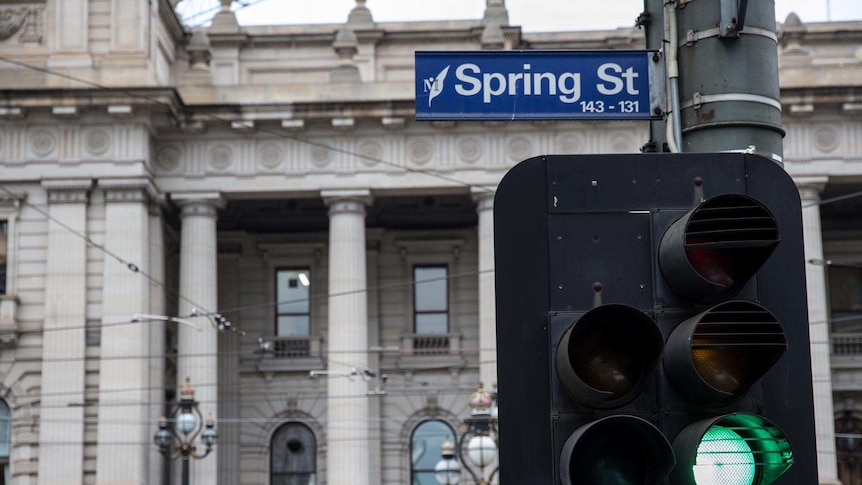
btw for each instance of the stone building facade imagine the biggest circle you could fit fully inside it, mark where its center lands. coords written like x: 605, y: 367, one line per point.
x: 275, y: 175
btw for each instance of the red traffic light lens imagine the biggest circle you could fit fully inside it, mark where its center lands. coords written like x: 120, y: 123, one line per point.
x: 713, y: 250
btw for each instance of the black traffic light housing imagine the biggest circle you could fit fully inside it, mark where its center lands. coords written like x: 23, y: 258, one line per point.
x: 651, y: 308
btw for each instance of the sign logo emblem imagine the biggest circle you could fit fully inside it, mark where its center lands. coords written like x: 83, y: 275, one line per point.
x: 434, y: 85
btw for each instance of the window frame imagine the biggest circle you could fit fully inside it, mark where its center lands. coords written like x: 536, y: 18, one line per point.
x: 10, y: 210
x: 447, y: 304
x: 4, y: 262
x: 5, y: 467
x: 313, y: 473
x: 307, y: 314
x: 435, y: 450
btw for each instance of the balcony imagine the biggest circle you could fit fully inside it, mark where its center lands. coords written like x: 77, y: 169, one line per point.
x: 427, y: 351
x: 846, y: 359
x: 8, y: 320
x: 846, y: 346
x: 292, y: 354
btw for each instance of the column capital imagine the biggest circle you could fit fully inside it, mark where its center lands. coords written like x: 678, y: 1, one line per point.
x: 134, y: 189
x: 483, y: 196
x: 198, y: 203
x: 356, y: 195
x: 810, y: 187
x: 68, y: 191
x: 340, y: 201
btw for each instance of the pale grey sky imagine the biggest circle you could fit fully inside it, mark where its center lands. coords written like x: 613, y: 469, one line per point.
x: 532, y: 15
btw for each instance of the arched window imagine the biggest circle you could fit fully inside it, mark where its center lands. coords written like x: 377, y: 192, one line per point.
x: 294, y: 455
x: 5, y: 441
x: 848, y: 445
x: 425, y: 450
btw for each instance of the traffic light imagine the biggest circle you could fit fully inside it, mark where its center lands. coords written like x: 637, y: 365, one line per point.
x: 652, y: 323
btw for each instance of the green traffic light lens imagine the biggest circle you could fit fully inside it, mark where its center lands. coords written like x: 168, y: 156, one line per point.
x: 723, y: 458
x: 734, y: 449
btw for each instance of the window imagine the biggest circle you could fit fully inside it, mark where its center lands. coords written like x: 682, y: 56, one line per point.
x: 845, y: 295
x: 294, y: 455
x: 293, y: 315
x: 431, y: 300
x: 4, y: 247
x: 426, y: 450
x: 5, y: 441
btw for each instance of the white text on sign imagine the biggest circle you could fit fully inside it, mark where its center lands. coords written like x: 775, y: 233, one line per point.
x: 566, y: 86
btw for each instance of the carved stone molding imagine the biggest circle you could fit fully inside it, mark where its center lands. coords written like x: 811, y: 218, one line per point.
x: 221, y: 156
x: 69, y: 191
x: 484, y: 197
x: 340, y: 201
x: 424, y: 246
x: 26, y: 19
x: 43, y: 143
x: 168, y: 158
x: 519, y: 148
x: 420, y: 150
x: 271, y: 155
x: 8, y: 320
x: 470, y: 149
x: 810, y: 187
x: 391, y: 152
x: 128, y: 190
x: 97, y: 141
x: 371, y: 151
x: 827, y: 139
x: 198, y: 204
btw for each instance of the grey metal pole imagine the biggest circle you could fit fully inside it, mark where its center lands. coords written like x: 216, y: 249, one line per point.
x: 185, y: 470
x: 728, y: 60
x: 651, y: 20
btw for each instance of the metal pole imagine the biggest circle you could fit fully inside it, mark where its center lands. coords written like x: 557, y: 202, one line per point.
x: 729, y: 77
x: 185, y: 470
x: 652, y: 21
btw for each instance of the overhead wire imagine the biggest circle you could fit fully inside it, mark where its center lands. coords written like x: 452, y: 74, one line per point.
x: 278, y: 133
x: 189, y: 20
x: 134, y: 268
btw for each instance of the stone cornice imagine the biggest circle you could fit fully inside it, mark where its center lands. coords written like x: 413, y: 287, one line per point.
x: 483, y: 196
x: 138, y: 189
x: 170, y: 20
x: 67, y: 191
x: 34, y: 101
x: 811, y: 186
x: 352, y: 196
x: 198, y: 203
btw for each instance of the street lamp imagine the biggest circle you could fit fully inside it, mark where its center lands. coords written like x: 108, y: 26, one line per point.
x: 188, y: 424
x: 479, y: 439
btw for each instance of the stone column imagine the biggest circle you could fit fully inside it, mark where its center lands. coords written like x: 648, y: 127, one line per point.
x: 198, y: 349
x: 487, y: 302
x: 124, y: 416
x: 61, y: 431
x: 348, y: 428
x: 157, y: 332
x: 821, y: 370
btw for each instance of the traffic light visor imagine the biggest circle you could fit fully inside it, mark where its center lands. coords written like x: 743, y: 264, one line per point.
x: 604, y: 358
x: 717, y: 355
x: 713, y: 250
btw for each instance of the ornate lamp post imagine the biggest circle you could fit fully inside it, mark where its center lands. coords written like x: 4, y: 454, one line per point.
x: 479, y: 440
x: 179, y: 440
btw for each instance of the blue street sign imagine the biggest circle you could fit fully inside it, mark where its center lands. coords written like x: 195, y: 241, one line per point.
x: 538, y: 85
